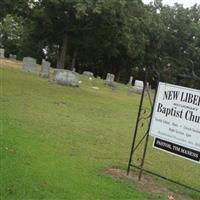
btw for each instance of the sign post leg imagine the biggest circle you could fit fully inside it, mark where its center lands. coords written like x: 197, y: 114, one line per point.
x: 147, y: 137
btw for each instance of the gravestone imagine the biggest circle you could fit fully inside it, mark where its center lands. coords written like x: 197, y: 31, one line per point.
x: 87, y: 73
x: 110, y: 79
x: 130, y: 80
x: 93, y: 82
x: 2, y: 52
x: 45, y: 69
x: 74, y: 69
x: 66, y: 77
x: 29, y: 65
x: 138, y: 87
x: 114, y: 86
x: 12, y: 56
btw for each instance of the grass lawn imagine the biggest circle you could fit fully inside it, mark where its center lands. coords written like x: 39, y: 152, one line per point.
x: 56, y: 142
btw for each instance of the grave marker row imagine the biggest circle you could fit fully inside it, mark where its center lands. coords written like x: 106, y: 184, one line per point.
x: 12, y: 56
x: 60, y: 76
x: 67, y: 77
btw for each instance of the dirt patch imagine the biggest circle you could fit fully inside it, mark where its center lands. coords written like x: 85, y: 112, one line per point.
x: 147, y: 184
x: 10, y: 63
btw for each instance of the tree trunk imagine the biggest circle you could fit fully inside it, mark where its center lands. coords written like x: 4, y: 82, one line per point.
x: 62, y: 54
x: 58, y: 56
x: 118, y: 74
x: 73, y: 60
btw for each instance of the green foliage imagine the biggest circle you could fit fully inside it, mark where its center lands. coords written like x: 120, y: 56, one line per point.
x: 11, y: 30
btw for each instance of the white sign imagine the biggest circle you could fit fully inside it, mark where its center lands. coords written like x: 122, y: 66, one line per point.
x: 176, y: 120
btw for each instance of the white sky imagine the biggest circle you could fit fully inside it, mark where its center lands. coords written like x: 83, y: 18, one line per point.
x: 186, y: 3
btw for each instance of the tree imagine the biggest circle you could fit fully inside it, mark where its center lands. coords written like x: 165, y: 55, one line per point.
x: 11, y: 30
x: 104, y: 35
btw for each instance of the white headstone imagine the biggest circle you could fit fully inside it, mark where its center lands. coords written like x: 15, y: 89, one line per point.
x: 74, y: 69
x: 138, y: 86
x: 66, y: 77
x: 2, y: 52
x: 29, y: 64
x: 93, y: 82
x: 130, y: 80
x: 110, y: 79
x: 12, y: 56
x: 87, y: 73
x: 45, y: 68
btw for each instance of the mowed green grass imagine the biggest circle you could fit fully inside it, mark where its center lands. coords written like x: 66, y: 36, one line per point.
x: 57, y: 142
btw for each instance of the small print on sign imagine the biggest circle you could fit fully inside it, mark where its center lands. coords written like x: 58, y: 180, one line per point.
x: 176, y: 118
x: 177, y: 149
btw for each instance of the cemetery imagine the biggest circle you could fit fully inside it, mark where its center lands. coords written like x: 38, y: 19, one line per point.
x: 79, y: 135
x: 100, y: 100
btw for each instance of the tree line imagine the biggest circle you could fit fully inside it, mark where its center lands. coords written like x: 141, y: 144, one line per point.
x: 123, y: 37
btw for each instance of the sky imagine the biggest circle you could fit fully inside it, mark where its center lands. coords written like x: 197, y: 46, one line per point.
x: 186, y: 3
